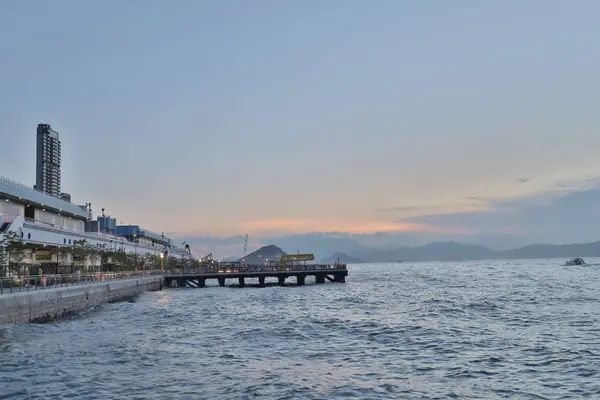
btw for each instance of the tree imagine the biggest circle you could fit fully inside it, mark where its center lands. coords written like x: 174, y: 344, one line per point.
x: 151, y: 261
x: 172, y: 263
x: 80, y: 251
x: 4, y: 256
x: 83, y: 250
x: 16, y: 252
x: 6, y: 240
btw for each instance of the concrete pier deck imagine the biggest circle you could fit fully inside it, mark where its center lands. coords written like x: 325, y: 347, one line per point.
x: 198, y: 278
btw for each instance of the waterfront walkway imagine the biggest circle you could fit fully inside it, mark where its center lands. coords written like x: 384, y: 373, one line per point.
x: 42, y: 282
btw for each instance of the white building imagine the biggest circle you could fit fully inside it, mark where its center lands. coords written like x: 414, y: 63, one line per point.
x: 50, y: 226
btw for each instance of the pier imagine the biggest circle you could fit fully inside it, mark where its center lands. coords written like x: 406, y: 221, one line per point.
x: 241, y: 273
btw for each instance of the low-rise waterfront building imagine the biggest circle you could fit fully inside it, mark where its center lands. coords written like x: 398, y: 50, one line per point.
x: 49, y: 231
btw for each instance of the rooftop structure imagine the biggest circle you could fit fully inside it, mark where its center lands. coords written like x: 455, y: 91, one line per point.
x: 137, y: 234
x: 39, y: 218
x: 31, y: 198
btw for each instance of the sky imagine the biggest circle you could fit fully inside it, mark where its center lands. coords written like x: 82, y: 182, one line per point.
x: 270, y: 117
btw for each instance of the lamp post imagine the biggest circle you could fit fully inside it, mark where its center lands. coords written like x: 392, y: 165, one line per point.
x: 162, y: 257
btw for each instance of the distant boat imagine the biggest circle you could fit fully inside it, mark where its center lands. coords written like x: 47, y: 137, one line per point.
x: 575, y: 261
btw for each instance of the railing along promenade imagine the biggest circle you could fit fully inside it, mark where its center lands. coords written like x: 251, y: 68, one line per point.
x: 47, y: 281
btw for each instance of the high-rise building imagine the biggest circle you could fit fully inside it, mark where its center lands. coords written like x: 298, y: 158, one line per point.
x: 47, y: 169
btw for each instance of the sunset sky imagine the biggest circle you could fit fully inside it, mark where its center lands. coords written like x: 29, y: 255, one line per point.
x: 274, y: 117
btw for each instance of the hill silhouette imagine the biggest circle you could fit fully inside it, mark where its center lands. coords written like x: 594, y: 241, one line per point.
x: 554, y: 251
x: 269, y: 252
x: 341, y: 258
x: 436, y: 251
x: 453, y: 251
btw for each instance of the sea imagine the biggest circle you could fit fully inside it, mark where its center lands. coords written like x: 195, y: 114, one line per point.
x: 471, y: 330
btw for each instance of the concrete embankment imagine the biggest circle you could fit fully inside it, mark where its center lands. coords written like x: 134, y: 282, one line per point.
x: 52, y: 303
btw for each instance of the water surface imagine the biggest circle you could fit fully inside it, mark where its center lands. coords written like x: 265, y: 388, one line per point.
x: 518, y: 329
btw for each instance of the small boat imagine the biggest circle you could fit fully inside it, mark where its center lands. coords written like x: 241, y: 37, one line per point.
x: 575, y: 261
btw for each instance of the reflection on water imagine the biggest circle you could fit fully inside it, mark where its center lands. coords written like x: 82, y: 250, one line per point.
x: 478, y: 330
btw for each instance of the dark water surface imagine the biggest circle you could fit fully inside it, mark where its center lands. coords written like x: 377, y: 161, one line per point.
x: 528, y: 329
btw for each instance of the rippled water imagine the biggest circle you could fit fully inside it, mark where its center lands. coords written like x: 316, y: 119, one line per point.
x: 522, y: 330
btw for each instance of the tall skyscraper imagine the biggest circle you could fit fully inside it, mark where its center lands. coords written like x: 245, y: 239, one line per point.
x: 47, y: 169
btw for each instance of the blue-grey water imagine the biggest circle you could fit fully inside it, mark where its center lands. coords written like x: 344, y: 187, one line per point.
x: 518, y: 329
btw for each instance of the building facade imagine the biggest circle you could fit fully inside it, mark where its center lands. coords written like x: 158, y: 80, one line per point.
x: 48, y: 228
x: 48, y: 161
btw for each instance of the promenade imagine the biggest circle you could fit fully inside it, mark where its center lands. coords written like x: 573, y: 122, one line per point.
x: 65, y: 295
x: 41, y: 282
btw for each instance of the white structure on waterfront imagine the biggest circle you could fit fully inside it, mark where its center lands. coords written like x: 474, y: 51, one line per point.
x: 37, y: 218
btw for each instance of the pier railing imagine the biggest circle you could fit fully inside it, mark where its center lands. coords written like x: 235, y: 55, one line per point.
x: 40, y: 282
x: 236, y: 269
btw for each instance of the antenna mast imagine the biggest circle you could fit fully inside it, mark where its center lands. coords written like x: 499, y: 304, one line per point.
x: 245, y: 251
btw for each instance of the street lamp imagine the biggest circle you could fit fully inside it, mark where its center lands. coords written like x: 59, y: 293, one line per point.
x: 162, y: 256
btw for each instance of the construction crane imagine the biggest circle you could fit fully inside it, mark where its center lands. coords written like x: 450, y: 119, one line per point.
x: 245, y: 251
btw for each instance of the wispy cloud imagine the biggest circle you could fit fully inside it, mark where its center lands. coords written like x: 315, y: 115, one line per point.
x: 551, y: 217
x: 477, y: 199
x: 554, y: 216
x: 524, y: 180
x: 473, y: 215
x: 286, y: 225
x: 408, y: 208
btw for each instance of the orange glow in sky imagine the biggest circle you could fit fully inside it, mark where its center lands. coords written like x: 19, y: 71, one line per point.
x: 290, y: 225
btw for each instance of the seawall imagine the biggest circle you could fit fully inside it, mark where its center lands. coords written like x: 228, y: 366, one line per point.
x: 52, y: 303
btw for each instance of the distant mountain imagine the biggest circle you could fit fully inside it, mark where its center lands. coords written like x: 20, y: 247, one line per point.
x: 341, y: 258
x: 323, y: 244
x: 383, y: 248
x: 553, y: 251
x: 452, y: 251
x: 437, y: 251
x: 269, y: 252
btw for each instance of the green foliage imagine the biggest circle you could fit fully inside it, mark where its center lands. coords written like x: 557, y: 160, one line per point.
x: 151, y: 261
x: 133, y: 262
x: 172, y: 263
x: 17, y: 256
x: 10, y: 255
x: 4, y: 258
x: 82, y: 251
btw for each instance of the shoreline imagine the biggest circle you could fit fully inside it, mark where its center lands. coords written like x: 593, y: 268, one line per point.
x: 51, y: 304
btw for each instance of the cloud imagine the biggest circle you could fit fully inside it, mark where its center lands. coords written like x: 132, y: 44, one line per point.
x: 400, y: 213
x: 407, y: 208
x: 554, y: 216
x: 540, y: 197
x: 478, y: 199
x: 287, y: 225
x: 564, y: 212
